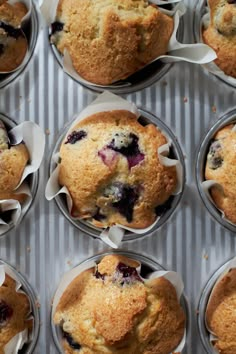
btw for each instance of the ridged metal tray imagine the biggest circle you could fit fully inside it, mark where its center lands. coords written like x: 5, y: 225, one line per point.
x: 45, y: 245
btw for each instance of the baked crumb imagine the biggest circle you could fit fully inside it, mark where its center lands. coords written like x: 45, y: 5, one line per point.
x: 213, y: 108
x: 47, y: 132
x: 205, y: 256
x: 185, y: 99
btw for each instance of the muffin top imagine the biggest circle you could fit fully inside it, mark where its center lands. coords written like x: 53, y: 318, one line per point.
x: 221, y: 34
x: 13, y: 160
x: 14, y: 312
x: 110, y: 165
x: 110, y: 309
x: 221, y: 313
x: 13, y: 44
x: 108, y: 40
x: 221, y: 167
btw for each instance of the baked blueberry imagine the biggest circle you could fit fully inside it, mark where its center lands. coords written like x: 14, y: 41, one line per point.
x: 75, y: 136
x: 56, y: 27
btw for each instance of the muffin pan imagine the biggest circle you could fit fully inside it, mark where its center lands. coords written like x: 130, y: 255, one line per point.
x: 188, y: 100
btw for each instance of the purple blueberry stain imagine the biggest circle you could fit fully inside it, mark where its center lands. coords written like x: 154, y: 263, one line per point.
x: 123, y: 197
x: 98, y: 216
x: 75, y: 136
x: 231, y: 1
x: 127, y: 145
x: 126, y: 274
x: 5, y: 312
x: 163, y: 208
x: 74, y: 345
x: 214, y: 157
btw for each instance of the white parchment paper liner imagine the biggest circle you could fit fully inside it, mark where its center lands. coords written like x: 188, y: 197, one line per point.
x: 25, y: 19
x: 230, y: 265
x: 173, y: 277
x: 34, y: 139
x: 194, y: 53
x: 105, y: 102
x: 212, y: 67
x: 206, y: 187
x: 21, y: 338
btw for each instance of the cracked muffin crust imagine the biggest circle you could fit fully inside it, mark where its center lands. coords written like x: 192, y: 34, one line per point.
x: 220, y: 313
x: 111, y: 309
x: 13, y: 159
x: 221, y: 167
x: 13, y: 43
x: 108, y: 40
x: 221, y: 34
x: 110, y: 165
x: 14, y: 312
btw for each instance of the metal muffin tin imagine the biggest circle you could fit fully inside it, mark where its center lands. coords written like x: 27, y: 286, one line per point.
x: 149, y: 265
x: 176, y: 153
x: 226, y: 119
x: 138, y: 81
x: 29, y: 347
x: 31, y: 30
x: 32, y: 180
x: 203, y: 332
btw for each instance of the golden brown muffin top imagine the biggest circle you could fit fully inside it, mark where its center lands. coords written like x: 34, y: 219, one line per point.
x: 221, y: 313
x: 14, y: 312
x: 108, y: 40
x: 110, y: 309
x: 110, y: 165
x: 221, y: 167
x: 13, y: 160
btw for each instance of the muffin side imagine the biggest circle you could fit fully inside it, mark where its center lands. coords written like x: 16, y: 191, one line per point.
x: 14, y: 312
x: 13, y: 43
x: 110, y: 165
x: 220, y: 313
x: 116, y: 312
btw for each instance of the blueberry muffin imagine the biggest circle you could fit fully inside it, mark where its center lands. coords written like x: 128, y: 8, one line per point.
x: 111, y: 309
x: 13, y: 43
x: 13, y: 160
x: 221, y: 313
x: 14, y: 312
x: 109, y: 164
x: 221, y: 34
x: 221, y: 167
x: 108, y: 40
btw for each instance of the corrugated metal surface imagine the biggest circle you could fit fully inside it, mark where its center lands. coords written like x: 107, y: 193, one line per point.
x: 46, y: 244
